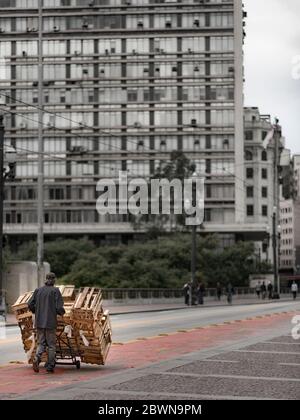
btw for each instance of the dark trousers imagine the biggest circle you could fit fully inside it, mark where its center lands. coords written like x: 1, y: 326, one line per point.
x: 200, y: 298
x: 295, y: 295
x: 46, y: 339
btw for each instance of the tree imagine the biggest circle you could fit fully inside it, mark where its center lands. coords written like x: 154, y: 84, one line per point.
x: 162, y: 263
x: 178, y: 167
x: 60, y: 254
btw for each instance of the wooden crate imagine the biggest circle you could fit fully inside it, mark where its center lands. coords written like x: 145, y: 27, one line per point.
x: 68, y: 293
x: 23, y: 299
x: 88, y: 299
x: 20, y: 307
x: 99, y: 344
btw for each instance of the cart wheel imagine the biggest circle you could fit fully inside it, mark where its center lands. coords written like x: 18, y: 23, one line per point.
x: 78, y: 364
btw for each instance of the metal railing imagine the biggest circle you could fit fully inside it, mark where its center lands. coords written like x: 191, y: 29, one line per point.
x: 119, y: 295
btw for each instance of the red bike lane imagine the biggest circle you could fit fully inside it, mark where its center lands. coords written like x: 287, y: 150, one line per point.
x: 18, y: 380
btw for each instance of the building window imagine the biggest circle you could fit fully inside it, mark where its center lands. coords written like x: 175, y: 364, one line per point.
x: 264, y: 173
x: 265, y: 211
x: 250, y: 210
x: 249, y: 173
x: 249, y: 135
x: 264, y: 156
x: 250, y: 192
x: 208, y: 191
x: 248, y: 155
x: 207, y: 215
x: 264, y: 192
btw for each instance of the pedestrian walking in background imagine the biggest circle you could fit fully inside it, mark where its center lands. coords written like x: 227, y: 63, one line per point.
x: 46, y: 303
x: 294, y: 290
x: 219, y: 291
x: 257, y: 289
x: 270, y: 290
x: 186, y: 292
x: 229, y: 292
x: 263, y: 290
x: 201, y: 293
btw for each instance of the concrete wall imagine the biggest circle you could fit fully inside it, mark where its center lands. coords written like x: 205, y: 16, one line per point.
x: 20, y: 278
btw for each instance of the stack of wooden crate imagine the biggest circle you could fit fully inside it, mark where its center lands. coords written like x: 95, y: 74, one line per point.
x: 84, y: 331
x: 92, y: 326
x: 25, y: 321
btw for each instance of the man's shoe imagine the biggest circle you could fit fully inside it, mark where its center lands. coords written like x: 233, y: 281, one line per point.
x: 35, y: 365
x: 50, y: 370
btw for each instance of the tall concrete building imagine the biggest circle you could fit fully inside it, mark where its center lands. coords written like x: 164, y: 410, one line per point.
x: 125, y: 82
x: 290, y: 220
x: 290, y: 236
x: 295, y: 165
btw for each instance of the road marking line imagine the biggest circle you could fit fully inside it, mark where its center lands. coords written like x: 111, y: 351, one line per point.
x: 7, y: 383
x: 206, y: 375
x: 221, y: 361
x: 10, y: 340
x: 289, y: 364
x: 266, y: 352
x: 279, y: 342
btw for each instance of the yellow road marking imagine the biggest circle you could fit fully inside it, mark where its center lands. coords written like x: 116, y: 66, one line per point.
x: 7, y: 383
x: 9, y: 340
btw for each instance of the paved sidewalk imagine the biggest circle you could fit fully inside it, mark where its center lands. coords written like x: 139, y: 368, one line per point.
x: 121, y: 309
x: 201, y: 363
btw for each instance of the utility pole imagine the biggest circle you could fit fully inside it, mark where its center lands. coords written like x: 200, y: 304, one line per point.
x: 40, y: 195
x: 193, y: 263
x: 276, y: 212
x: 275, y: 253
x: 2, y: 295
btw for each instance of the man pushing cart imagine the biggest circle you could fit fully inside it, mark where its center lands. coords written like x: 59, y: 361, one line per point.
x: 46, y: 303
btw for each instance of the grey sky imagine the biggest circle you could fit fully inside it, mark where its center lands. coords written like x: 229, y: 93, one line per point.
x: 273, y: 39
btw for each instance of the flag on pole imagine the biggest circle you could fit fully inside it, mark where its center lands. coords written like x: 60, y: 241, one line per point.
x: 268, y: 138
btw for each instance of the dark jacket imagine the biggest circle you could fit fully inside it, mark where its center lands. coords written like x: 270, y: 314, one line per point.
x: 46, y: 303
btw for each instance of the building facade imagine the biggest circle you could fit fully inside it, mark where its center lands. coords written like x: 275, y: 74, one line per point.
x: 290, y: 220
x: 290, y: 236
x: 296, y: 177
x: 125, y: 82
x: 259, y: 177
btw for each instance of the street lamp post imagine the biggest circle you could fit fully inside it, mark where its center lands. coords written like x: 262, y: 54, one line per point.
x: 276, y: 210
x: 2, y: 296
x: 267, y: 242
x: 276, y: 241
x: 190, y: 204
x: 193, y: 262
x: 295, y: 261
x: 4, y: 174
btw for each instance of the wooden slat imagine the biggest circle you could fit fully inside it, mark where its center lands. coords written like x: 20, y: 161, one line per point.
x: 88, y: 298
x: 23, y: 299
x: 81, y: 297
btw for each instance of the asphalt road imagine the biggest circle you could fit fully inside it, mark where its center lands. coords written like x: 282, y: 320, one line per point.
x: 132, y: 326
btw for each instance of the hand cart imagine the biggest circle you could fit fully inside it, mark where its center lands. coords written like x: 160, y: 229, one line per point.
x: 67, y: 352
